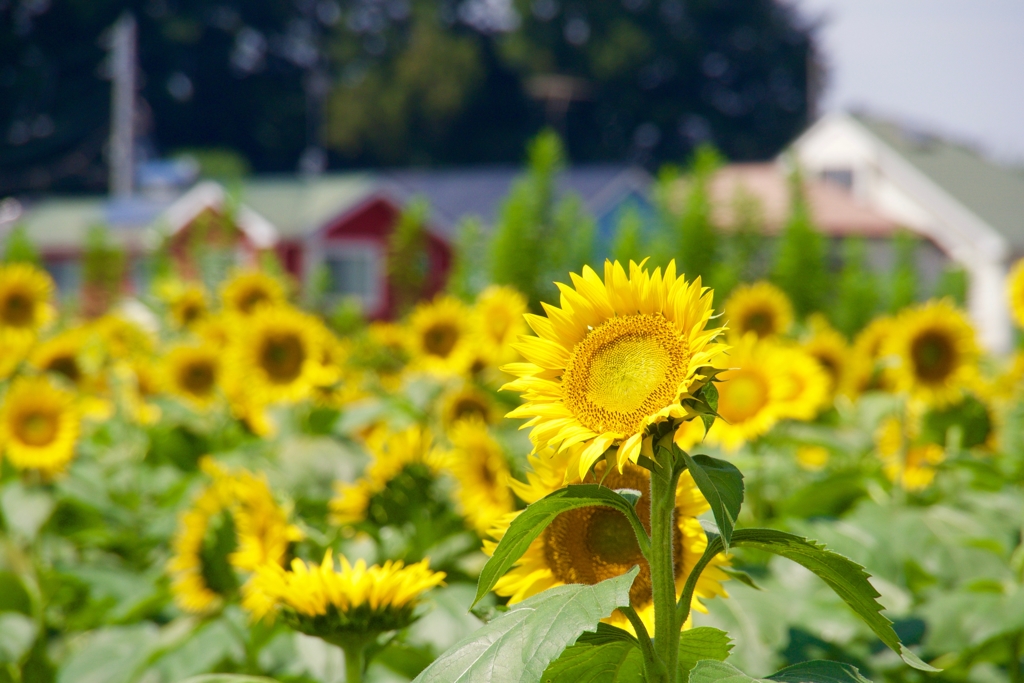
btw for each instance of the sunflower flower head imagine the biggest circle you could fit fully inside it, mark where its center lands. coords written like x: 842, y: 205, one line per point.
x: 591, y: 544
x: 1015, y: 292
x: 247, y: 291
x: 933, y: 353
x: 828, y: 346
x: 25, y: 293
x: 618, y: 355
x: 907, y: 461
x: 39, y: 425
x: 192, y: 373
x: 499, y: 314
x: 761, y: 308
x: 186, y: 304
x: 441, y: 337
x: 331, y: 602
x: 481, y: 471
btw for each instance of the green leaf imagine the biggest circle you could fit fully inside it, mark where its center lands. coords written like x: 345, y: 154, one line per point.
x: 613, y: 662
x: 741, y: 576
x: 816, y: 671
x: 606, y: 633
x: 518, y: 646
x: 112, y: 654
x: 844, y: 576
x: 532, y: 521
x: 819, y: 671
x: 701, y: 643
x: 722, y: 485
x: 13, y: 595
x: 25, y: 510
x: 228, y: 678
x: 17, y: 633
x: 710, y: 395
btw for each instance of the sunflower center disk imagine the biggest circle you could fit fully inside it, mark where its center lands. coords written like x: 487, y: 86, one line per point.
x: 761, y: 323
x: 589, y: 545
x: 66, y: 366
x: 198, y: 378
x: 623, y: 371
x: 37, y: 428
x: 17, y: 310
x: 933, y: 356
x: 439, y: 340
x: 742, y: 395
x: 251, y: 299
x: 282, y: 358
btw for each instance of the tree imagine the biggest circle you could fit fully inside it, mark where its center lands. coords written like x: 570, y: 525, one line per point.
x: 903, y: 282
x: 696, y: 235
x: 800, y: 269
x: 858, y: 297
x: 407, y: 256
x: 18, y: 248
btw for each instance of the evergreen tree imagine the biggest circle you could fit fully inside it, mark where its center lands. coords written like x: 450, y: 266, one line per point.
x: 696, y: 234
x: 468, y: 276
x: 103, y: 271
x: 858, y: 296
x: 741, y: 247
x: 18, y: 248
x: 953, y: 283
x: 800, y: 268
x: 903, y: 284
x: 627, y: 245
x: 408, y: 264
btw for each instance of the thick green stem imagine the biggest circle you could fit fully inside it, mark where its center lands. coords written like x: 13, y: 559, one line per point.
x: 1015, y: 647
x: 653, y: 667
x: 663, y: 575
x: 354, y: 661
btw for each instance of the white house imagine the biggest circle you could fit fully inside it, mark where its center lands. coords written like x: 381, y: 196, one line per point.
x: 972, y: 208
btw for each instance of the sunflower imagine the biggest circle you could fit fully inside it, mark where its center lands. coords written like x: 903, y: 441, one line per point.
x: 752, y: 392
x: 275, y: 355
x: 193, y: 374
x: 39, y: 425
x: 466, y: 402
x: 812, y: 458
x: 589, y: 545
x: 805, y: 385
x: 905, y: 462
x: 215, y: 330
x: 248, y: 291
x: 123, y: 339
x: 25, y: 293
x: 1015, y: 292
x: 761, y: 308
x: 14, y: 348
x: 390, y: 454
x: 187, y: 305
x: 934, y: 352
x: 830, y: 349
x: 481, y: 471
x: 440, y: 337
x: 616, y: 357
x: 499, y: 314
x: 140, y: 382
x: 865, y: 373
x: 67, y: 355
x: 323, y: 601
x: 233, y: 524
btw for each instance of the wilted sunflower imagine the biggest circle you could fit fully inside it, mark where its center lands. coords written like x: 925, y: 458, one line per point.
x: 275, y: 355
x: 591, y: 544
x: 805, y: 385
x: 440, y: 337
x: 907, y: 463
x: 25, y: 293
x: 481, y: 471
x: 323, y: 601
x: 39, y: 425
x: 751, y: 392
x: 761, y: 308
x: 193, y: 374
x: 234, y: 523
x: 1015, y: 292
x: 248, y: 291
x: 616, y: 357
x: 830, y: 349
x: 499, y: 316
x: 390, y: 454
x: 933, y: 351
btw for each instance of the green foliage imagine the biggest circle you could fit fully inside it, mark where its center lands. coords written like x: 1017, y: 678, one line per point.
x: 903, y: 283
x: 529, y: 524
x: 953, y: 283
x: 818, y: 671
x: 521, y: 643
x: 539, y: 238
x: 742, y: 247
x: 18, y: 247
x: 701, y: 644
x: 103, y: 269
x: 722, y: 485
x: 218, y: 163
x: 628, y: 244
x: 469, y: 275
x: 408, y: 263
x: 858, y: 295
x: 696, y: 235
x: 800, y: 268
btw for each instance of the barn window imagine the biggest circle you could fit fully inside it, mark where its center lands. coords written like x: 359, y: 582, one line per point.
x: 354, y: 271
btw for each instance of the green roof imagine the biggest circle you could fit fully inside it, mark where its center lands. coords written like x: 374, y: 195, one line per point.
x: 993, y: 192
x: 63, y: 222
x: 298, y: 206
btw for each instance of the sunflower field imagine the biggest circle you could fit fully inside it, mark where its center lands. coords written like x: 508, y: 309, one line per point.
x: 634, y: 482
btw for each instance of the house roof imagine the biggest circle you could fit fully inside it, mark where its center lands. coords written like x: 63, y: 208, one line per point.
x: 993, y: 192
x: 835, y: 211
x: 62, y: 223
x: 458, y: 193
x: 298, y: 206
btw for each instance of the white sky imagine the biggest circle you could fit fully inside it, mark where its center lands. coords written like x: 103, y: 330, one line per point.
x: 954, y: 67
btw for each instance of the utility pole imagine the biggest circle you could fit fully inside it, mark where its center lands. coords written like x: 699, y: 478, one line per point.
x: 122, y: 106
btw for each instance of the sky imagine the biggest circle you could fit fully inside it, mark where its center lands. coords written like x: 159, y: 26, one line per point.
x: 952, y: 67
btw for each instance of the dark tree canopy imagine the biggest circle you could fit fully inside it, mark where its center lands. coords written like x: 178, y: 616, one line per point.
x: 394, y: 82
